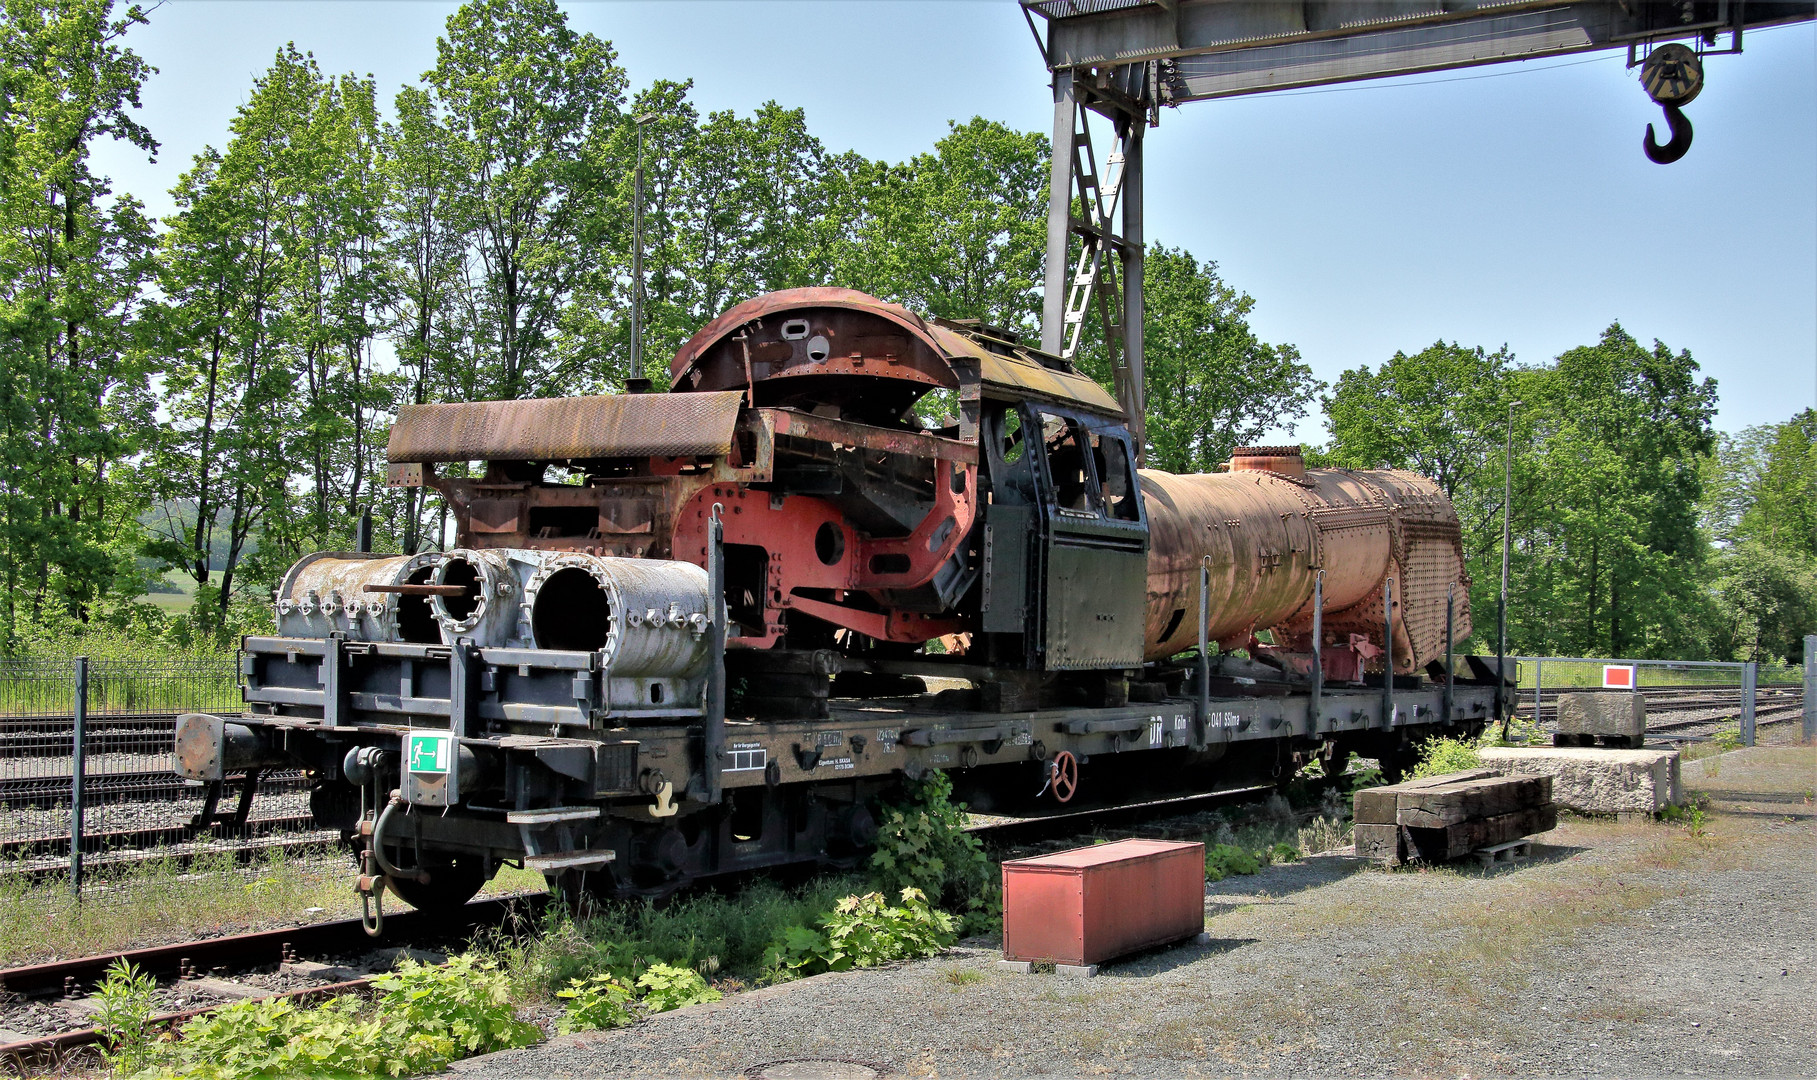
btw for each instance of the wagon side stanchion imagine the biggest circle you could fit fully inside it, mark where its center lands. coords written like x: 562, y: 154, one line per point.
x: 1388, y: 655
x: 1318, y: 653
x: 78, y: 763
x: 1204, y: 696
x: 1450, y: 641
x: 713, y: 725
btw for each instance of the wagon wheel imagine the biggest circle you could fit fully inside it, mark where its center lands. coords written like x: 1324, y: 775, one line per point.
x: 1065, y: 775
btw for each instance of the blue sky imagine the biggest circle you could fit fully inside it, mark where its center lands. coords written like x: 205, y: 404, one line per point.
x: 1507, y: 204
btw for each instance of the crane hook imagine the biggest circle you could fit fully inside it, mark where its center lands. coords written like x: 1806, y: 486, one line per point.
x: 1680, y: 142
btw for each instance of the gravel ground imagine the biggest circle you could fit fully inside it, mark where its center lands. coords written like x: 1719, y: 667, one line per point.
x: 1620, y: 948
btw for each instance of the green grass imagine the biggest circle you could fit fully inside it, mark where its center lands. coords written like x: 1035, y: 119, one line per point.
x: 179, y: 602
x: 165, y: 901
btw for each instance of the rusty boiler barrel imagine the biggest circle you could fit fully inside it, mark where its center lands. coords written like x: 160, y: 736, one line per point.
x: 1268, y: 525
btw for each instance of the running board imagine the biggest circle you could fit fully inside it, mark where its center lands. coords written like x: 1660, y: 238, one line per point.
x: 556, y: 862
x: 552, y: 815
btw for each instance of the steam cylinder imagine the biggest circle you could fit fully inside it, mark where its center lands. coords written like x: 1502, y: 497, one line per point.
x: 326, y: 592
x: 1266, y: 527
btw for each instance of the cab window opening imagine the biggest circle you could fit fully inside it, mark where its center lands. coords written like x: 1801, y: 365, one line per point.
x: 1074, y: 486
x: 1110, y: 456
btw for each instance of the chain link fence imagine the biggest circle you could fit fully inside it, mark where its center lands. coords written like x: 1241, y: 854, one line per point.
x: 87, y: 790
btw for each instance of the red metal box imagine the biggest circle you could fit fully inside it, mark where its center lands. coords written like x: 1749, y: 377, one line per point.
x: 1092, y: 904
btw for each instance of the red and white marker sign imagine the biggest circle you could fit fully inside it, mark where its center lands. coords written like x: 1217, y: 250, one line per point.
x: 1618, y: 676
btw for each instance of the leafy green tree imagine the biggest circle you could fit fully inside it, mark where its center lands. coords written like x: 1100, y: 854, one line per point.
x: 1766, y: 601
x: 424, y: 250
x: 1212, y: 383
x: 1610, y: 550
x: 528, y: 105
x: 957, y: 233
x: 733, y: 207
x: 1760, y: 508
x: 74, y: 258
x: 276, y: 278
x: 1438, y: 412
x: 1783, y: 510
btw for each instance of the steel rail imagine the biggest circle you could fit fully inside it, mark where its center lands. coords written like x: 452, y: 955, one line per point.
x: 237, y: 951
x: 47, y: 791
x: 101, y: 843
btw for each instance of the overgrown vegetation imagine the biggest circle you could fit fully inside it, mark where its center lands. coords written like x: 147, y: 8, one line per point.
x: 720, y: 935
x: 864, y: 931
x: 1441, y: 756
x: 425, y: 1018
x: 595, y: 1003
x: 1223, y: 860
x: 923, y: 844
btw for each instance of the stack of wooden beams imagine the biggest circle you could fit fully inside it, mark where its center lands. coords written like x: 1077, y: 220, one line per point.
x: 1440, y: 818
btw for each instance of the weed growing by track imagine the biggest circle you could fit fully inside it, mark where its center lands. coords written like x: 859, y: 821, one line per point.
x: 1441, y: 756
x: 863, y: 931
x: 425, y: 1018
x: 720, y: 935
x: 923, y: 844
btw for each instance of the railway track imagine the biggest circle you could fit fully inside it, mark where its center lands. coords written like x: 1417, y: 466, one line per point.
x: 49, y: 791
x: 1773, y: 704
x: 47, y: 858
x: 319, y: 955
x: 309, y: 962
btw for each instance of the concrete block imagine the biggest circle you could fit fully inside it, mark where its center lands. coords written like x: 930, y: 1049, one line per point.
x: 1016, y: 967
x: 1077, y: 971
x: 1202, y: 939
x: 317, y: 971
x: 1604, y: 715
x: 1596, y: 781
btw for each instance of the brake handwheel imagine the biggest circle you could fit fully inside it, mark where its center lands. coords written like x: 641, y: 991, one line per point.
x: 1065, y: 775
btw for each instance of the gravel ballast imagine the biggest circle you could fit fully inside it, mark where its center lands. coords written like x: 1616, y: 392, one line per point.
x: 1621, y: 948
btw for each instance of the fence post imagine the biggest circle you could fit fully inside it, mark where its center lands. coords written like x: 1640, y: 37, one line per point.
x: 1539, y: 689
x: 1810, y: 687
x: 1750, y: 675
x: 78, y: 767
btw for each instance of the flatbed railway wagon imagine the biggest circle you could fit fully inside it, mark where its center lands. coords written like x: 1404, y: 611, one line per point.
x: 690, y: 633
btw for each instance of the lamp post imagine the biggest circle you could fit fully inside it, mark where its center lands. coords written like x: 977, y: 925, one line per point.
x: 1501, y: 615
x: 637, y: 250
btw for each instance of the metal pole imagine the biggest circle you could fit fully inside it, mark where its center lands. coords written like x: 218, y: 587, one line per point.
x: 1750, y: 677
x: 362, y: 537
x: 1388, y: 654
x: 1810, y: 687
x: 1501, y: 613
x: 637, y: 256
x: 1318, y: 653
x: 78, y: 766
x: 1204, y: 652
x: 1131, y: 194
x: 1450, y: 634
x: 1059, y: 214
x: 1539, y: 682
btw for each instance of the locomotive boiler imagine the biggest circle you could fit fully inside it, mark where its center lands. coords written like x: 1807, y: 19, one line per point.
x: 688, y: 632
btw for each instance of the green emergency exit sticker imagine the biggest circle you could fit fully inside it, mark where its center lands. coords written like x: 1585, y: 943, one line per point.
x: 429, y: 752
